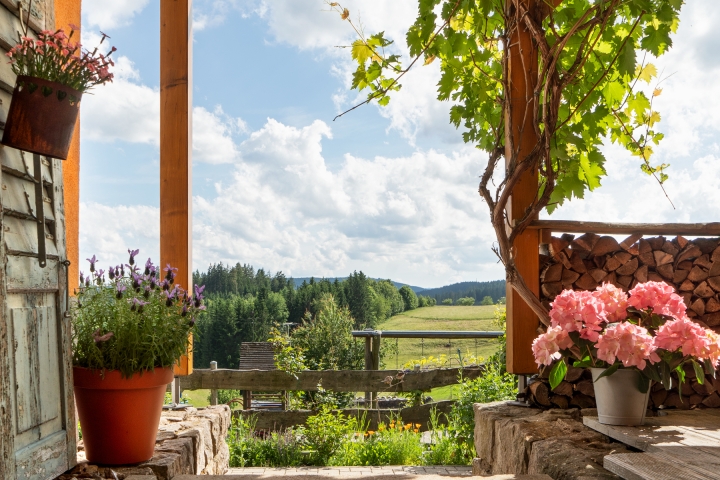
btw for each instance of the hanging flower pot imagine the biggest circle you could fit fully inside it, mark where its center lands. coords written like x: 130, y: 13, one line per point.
x: 42, y: 117
x: 52, y: 74
x: 120, y: 416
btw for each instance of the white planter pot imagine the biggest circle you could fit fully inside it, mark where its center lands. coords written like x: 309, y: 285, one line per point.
x: 619, y: 401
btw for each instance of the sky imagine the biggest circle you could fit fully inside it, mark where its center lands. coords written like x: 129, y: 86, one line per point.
x: 390, y: 191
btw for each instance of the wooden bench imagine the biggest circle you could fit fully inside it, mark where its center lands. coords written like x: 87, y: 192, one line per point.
x: 261, y: 356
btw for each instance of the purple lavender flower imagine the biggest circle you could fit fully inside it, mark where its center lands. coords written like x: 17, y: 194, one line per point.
x: 137, y: 305
x: 148, y: 290
x: 132, y: 256
x: 111, y: 273
x: 99, y: 279
x: 101, y: 338
x: 82, y: 278
x: 199, y: 295
x: 122, y: 270
x: 92, y: 261
x: 148, y: 265
x: 136, y: 281
x: 170, y: 273
x: 184, y: 311
x: 120, y: 289
x: 165, y: 285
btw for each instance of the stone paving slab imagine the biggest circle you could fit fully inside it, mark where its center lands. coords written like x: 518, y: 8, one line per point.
x: 361, y: 473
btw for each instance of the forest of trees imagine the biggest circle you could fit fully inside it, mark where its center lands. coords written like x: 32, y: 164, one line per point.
x: 477, y: 290
x: 244, y: 304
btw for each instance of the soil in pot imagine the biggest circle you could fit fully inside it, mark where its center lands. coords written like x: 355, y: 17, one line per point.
x: 119, y: 416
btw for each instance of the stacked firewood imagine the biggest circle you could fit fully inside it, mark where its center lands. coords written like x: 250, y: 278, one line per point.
x: 583, y: 263
x: 586, y: 261
x: 577, y: 391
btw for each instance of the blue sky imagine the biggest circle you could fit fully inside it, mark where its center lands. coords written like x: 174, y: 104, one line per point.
x: 392, y: 192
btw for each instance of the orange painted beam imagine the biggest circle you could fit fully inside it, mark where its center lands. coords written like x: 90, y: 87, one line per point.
x: 68, y: 12
x: 176, y: 144
x: 522, y: 323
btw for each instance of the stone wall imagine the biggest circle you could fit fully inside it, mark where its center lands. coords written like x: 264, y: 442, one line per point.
x: 520, y: 440
x: 189, y: 441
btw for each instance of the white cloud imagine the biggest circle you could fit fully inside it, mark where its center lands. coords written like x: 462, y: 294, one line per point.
x: 128, y: 111
x: 122, y: 110
x: 416, y: 218
x: 106, y: 15
x: 108, y: 231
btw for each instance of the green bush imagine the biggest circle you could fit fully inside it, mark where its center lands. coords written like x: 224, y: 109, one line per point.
x: 278, y: 449
x: 487, y: 301
x: 465, y: 301
x: 391, y: 444
x: 447, y: 301
x: 326, y: 432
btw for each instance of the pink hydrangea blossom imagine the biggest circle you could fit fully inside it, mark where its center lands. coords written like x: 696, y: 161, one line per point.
x: 614, y: 300
x: 579, y: 311
x: 547, y: 346
x: 629, y: 343
x: 689, y: 338
x: 659, y: 296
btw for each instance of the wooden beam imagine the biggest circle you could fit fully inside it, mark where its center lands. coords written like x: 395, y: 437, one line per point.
x: 521, y: 138
x: 176, y: 144
x: 572, y: 226
x: 68, y: 12
x: 333, y: 380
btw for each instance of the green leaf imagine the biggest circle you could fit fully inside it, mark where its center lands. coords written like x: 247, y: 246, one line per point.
x: 626, y: 60
x: 643, y: 383
x: 652, y: 372
x: 609, y: 371
x: 384, y: 100
x: 699, y: 374
x: 665, y: 375
x: 557, y: 374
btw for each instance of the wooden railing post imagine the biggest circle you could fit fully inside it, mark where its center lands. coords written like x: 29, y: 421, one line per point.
x: 368, y: 366
x: 376, y: 362
x: 213, y: 391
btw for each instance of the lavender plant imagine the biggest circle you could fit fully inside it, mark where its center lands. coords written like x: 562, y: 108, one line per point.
x: 133, y: 320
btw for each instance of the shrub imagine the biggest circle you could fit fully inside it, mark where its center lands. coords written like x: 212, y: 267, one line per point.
x: 326, y: 432
x: 465, y: 301
x: 409, y: 297
x: 447, y: 301
x: 487, y: 300
x: 391, y: 444
x: 277, y: 449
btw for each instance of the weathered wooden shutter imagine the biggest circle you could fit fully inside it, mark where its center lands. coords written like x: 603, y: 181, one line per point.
x: 37, y: 413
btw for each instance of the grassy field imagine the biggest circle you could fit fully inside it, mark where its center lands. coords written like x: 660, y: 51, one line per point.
x: 475, y: 318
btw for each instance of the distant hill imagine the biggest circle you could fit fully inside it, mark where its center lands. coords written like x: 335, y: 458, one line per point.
x: 477, y: 290
x: 299, y: 281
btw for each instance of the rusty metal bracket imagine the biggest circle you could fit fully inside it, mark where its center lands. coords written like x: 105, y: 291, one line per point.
x: 40, y: 211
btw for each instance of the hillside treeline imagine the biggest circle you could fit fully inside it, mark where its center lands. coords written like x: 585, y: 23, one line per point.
x: 243, y: 304
x: 477, y: 290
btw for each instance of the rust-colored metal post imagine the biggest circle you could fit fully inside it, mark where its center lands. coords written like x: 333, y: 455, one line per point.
x: 522, y: 71
x: 176, y: 144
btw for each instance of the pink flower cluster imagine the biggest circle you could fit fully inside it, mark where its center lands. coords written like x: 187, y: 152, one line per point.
x: 599, y: 317
x: 659, y: 296
x: 588, y: 312
x: 690, y: 339
x: 53, y: 56
x: 547, y: 346
x: 629, y: 343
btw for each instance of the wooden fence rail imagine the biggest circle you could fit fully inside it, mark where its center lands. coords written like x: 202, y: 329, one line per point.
x: 333, y: 380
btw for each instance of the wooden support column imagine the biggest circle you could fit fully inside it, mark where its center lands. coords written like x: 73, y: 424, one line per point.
x: 68, y: 12
x: 522, y: 323
x: 176, y: 144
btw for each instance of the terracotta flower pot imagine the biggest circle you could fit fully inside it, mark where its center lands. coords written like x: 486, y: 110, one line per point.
x: 42, y: 117
x: 119, y: 416
x: 619, y: 400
